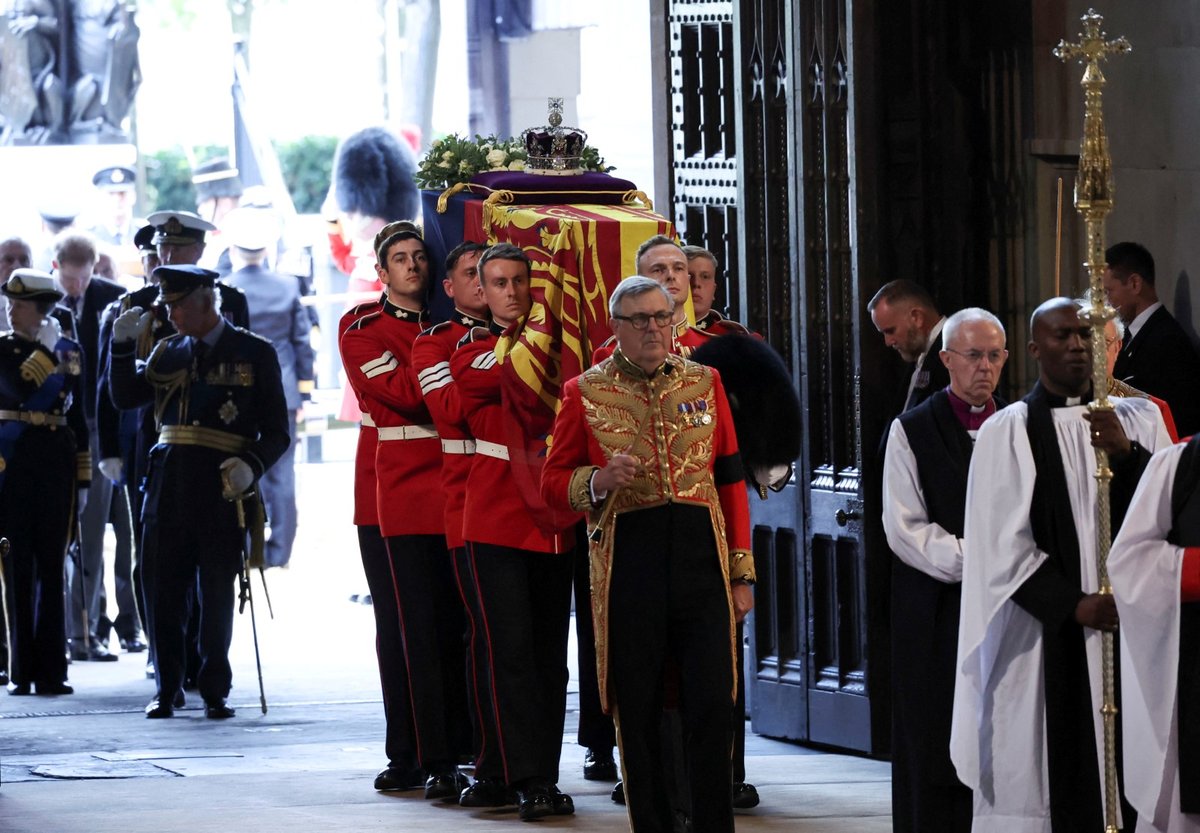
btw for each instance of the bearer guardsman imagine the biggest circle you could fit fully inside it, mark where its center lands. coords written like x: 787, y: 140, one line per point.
x: 44, y: 449
x: 1154, y: 567
x: 702, y: 276
x: 924, y: 499
x: 1031, y: 606
x: 523, y: 573
x: 377, y: 349
x: 431, y: 361
x: 218, y: 398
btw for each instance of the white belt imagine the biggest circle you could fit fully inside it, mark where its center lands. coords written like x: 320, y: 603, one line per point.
x: 408, y: 432
x: 500, y: 452
x: 367, y: 422
x: 458, y: 446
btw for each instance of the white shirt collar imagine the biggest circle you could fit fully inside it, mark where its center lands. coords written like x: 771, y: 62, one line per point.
x: 212, y: 336
x: 1136, y: 324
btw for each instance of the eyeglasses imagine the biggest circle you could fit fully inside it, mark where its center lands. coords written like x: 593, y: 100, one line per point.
x: 641, y: 320
x: 976, y: 356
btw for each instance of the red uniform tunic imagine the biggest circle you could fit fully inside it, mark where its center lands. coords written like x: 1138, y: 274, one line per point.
x: 377, y: 352
x: 494, y: 512
x: 366, y: 510
x: 431, y: 360
x: 716, y: 324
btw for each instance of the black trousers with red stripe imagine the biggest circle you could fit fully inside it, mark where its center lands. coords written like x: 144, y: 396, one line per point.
x: 525, y: 612
x: 479, y: 699
x: 400, y: 742
x: 432, y: 623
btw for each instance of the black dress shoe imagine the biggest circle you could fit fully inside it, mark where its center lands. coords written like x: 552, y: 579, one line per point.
x: 487, y: 792
x: 618, y: 793
x: 534, y: 801
x: 446, y: 784
x: 217, y: 710
x: 157, y: 709
x: 54, y: 688
x: 599, y: 765
x: 20, y: 689
x: 400, y: 778
x: 134, y: 644
x: 745, y: 796
x: 95, y: 652
x: 563, y: 805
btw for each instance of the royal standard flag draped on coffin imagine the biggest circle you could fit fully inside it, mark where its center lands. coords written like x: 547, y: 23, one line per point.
x: 579, y: 254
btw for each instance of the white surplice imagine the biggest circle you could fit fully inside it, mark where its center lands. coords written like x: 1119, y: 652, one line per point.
x: 998, y: 741
x: 915, y: 540
x: 1146, y: 572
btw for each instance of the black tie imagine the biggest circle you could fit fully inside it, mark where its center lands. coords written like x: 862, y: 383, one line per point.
x: 199, y: 351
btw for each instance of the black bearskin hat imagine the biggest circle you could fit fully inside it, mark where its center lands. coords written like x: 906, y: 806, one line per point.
x: 374, y: 173
x: 766, y: 409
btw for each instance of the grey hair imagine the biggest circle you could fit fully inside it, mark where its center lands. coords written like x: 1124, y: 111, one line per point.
x: 634, y: 286
x: 968, y: 316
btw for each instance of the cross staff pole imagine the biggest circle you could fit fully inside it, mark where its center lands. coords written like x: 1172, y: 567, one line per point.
x: 1094, y: 200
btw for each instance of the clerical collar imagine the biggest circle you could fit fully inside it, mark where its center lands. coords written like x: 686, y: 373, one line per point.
x: 1140, y: 320
x: 1056, y: 401
x: 468, y: 320
x: 970, y: 416
x: 403, y: 313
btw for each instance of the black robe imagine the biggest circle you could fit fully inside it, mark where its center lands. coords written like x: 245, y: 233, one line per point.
x: 1185, y: 532
x: 926, y: 792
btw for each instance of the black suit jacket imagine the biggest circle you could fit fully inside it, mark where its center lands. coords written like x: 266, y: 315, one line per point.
x: 1161, y: 360
x: 99, y: 294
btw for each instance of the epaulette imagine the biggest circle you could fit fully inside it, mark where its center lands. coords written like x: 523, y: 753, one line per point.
x: 474, y: 334
x: 434, y: 329
x: 362, y: 321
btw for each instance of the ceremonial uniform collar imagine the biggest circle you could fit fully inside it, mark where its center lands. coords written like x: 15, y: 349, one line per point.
x: 468, y: 320
x: 680, y: 328
x: 630, y: 369
x: 494, y: 328
x: 403, y: 313
x: 710, y: 318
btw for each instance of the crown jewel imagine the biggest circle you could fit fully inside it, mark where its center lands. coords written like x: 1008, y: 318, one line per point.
x: 554, y: 149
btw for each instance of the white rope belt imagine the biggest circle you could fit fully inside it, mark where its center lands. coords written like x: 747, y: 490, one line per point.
x: 367, y: 422
x: 407, y: 432
x: 458, y: 446
x: 500, y: 452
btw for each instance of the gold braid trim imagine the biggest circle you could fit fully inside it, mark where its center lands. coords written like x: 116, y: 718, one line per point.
x: 38, y: 367
x: 741, y: 566
x: 1118, y: 388
x: 83, y: 465
x: 166, y: 384
x: 579, y: 488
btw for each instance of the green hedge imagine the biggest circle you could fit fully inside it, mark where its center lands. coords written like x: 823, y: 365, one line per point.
x: 307, y: 167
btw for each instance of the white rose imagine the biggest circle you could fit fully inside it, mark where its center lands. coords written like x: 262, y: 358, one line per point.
x: 517, y: 165
x: 464, y: 166
x: 448, y: 155
x: 496, y: 158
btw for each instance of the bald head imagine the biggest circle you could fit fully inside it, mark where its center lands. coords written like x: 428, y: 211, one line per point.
x: 1061, y: 344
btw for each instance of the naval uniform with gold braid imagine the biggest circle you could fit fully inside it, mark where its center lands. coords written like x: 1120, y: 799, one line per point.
x: 662, y: 565
x: 43, y: 458
x: 212, y: 403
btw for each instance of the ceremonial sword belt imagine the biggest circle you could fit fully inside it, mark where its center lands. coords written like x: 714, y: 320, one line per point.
x: 34, y: 417
x: 407, y: 432
x: 206, y: 437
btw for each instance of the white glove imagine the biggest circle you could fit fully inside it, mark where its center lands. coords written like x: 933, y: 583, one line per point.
x: 49, y: 333
x: 111, y: 467
x: 131, y: 323
x: 236, y: 477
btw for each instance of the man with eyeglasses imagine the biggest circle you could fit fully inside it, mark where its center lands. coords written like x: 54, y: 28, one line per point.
x: 644, y: 442
x: 924, y: 499
x: 1026, y: 728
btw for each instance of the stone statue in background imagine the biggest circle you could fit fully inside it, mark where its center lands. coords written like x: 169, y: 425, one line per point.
x: 39, y: 104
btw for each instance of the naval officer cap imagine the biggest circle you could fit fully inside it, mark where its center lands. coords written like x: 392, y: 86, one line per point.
x: 144, y: 239
x: 179, y: 228
x: 177, y: 282
x: 31, y: 285
x: 115, y: 178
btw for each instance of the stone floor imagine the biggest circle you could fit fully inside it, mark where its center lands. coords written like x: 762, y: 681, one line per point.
x: 92, y: 762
